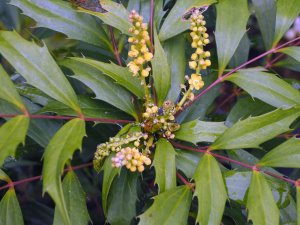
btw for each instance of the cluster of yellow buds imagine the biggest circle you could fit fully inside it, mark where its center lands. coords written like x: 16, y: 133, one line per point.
x: 139, y: 50
x: 132, y: 159
x: 115, y: 145
x: 160, y: 120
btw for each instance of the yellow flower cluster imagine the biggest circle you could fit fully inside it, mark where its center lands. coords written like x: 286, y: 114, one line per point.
x: 139, y: 46
x: 196, y: 82
x: 132, y: 159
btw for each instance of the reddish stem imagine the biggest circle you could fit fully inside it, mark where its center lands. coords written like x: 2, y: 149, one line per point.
x: 104, y: 120
x: 190, y: 185
x: 251, y: 167
x: 19, y: 182
x: 222, y: 78
x: 116, y: 51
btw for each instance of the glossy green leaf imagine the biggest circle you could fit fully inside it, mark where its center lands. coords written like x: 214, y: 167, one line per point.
x: 164, y: 164
x: 104, y: 87
x: 122, y: 199
x: 289, y: 63
x: 121, y: 75
x: 187, y: 162
x: 4, y: 176
x: 175, y: 51
x: 161, y: 71
x: 241, y: 54
x: 12, y: 133
x: 253, y: 131
x: 58, y: 152
x: 8, y: 91
x: 200, y: 131
x: 293, y: 51
x: 174, y: 24
x: 285, y: 155
x: 265, y: 11
x: 90, y: 108
x: 210, y: 191
x: 230, y: 28
x: 285, y: 16
x: 262, y: 208
x: 61, y: 16
x: 175, y: 201
x: 116, y: 16
x: 38, y: 67
x: 10, y: 211
x: 266, y: 87
x: 298, y: 205
x: 75, y: 202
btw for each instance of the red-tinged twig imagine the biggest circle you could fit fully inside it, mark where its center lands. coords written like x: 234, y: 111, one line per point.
x: 19, y: 182
x: 251, y: 167
x: 190, y: 185
x: 114, y: 43
x: 103, y: 120
x: 222, y: 78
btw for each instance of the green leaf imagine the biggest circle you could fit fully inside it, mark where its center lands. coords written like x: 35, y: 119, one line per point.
x: 90, y: 108
x: 241, y: 54
x: 210, y: 191
x: 285, y: 155
x: 230, y: 28
x: 121, y: 75
x: 104, y: 87
x: 260, y: 202
x: 116, y: 16
x: 292, y: 51
x: 122, y: 199
x: 266, y: 87
x: 253, y: 131
x: 12, y: 133
x: 265, y: 11
x: 61, y: 16
x: 75, y: 202
x: 37, y: 66
x: 285, y: 16
x: 298, y: 205
x: 174, y: 24
x: 4, y: 177
x: 200, y: 131
x: 164, y: 164
x: 8, y: 91
x: 175, y: 51
x: 187, y: 162
x: 161, y: 71
x: 10, y: 211
x: 58, y: 152
x: 245, y: 107
x: 175, y: 201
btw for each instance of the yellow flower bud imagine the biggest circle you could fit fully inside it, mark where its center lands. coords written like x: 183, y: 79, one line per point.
x: 194, y: 56
x: 193, y: 65
x: 206, y: 41
x: 207, y: 62
x: 199, y: 51
x: 133, y: 168
x: 154, y: 109
x: 148, y: 56
x: 141, y: 168
x: 207, y: 54
x: 145, y: 73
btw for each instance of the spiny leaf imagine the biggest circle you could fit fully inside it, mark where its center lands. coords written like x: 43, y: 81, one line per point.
x: 260, y: 202
x: 58, y: 152
x: 266, y: 87
x: 230, y: 28
x: 251, y: 132
x: 265, y: 11
x: 121, y: 75
x: 293, y: 51
x: 75, y: 202
x: 174, y: 24
x: 10, y: 211
x: 164, y: 164
x: 187, y: 162
x: 285, y: 155
x: 210, y: 191
x: 104, y: 87
x: 116, y: 16
x: 200, y: 131
x: 12, y: 133
x: 161, y: 71
x: 175, y: 201
x: 61, y: 16
x: 8, y: 91
x: 285, y: 16
x: 37, y: 66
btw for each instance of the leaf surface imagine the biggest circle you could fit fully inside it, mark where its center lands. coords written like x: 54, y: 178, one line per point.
x: 58, y: 152
x: 187, y: 162
x: 298, y: 205
x: 293, y: 51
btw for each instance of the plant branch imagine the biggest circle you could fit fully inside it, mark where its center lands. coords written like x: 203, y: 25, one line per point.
x: 104, y: 120
x: 224, y: 158
x: 222, y: 78
x: 190, y: 185
x: 114, y: 43
x: 19, y: 182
